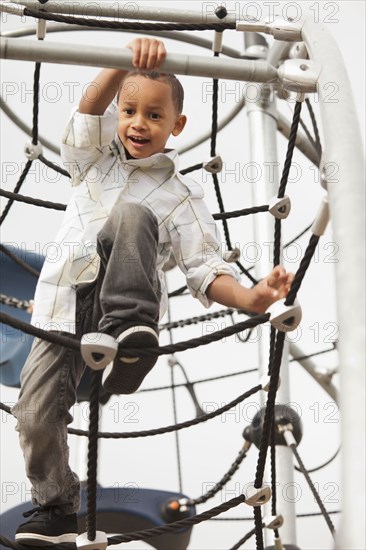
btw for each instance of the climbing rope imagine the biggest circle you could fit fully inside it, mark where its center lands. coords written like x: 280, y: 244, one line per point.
x: 318, y: 145
x: 24, y: 265
x: 30, y: 200
x: 59, y: 206
x: 312, y: 487
x: 243, y: 540
x: 139, y: 535
x: 147, y: 533
x: 71, y: 341
x: 103, y: 24
x: 14, y: 302
x: 223, y: 481
x: 173, y: 427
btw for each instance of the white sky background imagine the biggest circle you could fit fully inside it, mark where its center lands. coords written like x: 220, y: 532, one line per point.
x: 207, y: 450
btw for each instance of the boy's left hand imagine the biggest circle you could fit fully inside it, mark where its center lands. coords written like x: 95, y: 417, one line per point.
x: 147, y: 53
x: 270, y: 289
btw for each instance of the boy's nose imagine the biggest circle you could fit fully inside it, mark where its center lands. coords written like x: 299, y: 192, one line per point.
x: 138, y: 121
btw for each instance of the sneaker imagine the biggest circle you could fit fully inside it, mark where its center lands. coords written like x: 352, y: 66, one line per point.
x: 125, y: 374
x: 48, y: 525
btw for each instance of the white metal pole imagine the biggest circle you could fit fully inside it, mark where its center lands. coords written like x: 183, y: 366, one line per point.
x: 77, y: 54
x: 343, y: 148
x: 262, y: 117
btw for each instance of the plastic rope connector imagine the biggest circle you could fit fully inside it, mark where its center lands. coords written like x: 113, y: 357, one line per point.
x: 231, y: 256
x: 99, y: 543
x: 265, y: 381
x: 279, y: 207
x: 217, y: 42
x: 214, y: 165
x: 273, y: 522
x: 32, y: 151
x: 41, y: 29
x: 321, y: 221
x: 98, y: 349
x: 285, y: 318
x: 257, y: 497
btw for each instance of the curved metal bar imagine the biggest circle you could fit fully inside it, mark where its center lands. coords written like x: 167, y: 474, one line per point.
x: 27, y: 129
x: 173, y: 35
x: 343, y: 151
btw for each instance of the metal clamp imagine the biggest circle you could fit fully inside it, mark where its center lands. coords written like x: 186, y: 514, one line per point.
x: 98, y: 349
x: 32, y: 151
x: 279, y: 207
x: 214, y: 165
x: 285, y: 318
x: 99, y: 543
x: 300, y: 75
x: 257, y: 497
x: 280, y: 29
x: 286, y: 30
x: 299, y: 51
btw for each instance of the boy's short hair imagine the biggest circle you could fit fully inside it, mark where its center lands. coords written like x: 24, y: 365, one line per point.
x: 168, y: 78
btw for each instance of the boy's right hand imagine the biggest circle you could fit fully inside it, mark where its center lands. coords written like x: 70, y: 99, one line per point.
x: 148, y: 53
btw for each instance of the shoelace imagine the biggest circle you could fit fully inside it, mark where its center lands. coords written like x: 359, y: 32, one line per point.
x: 35, y: 511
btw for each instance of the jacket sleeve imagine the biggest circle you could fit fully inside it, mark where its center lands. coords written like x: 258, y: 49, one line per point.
x: 198, y: 248
x: 84, y: 139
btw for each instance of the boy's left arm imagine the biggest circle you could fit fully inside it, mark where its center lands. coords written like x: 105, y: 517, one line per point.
x: 227, y: 291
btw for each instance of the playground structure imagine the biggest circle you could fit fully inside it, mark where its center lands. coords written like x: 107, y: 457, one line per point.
x: 340, y: 129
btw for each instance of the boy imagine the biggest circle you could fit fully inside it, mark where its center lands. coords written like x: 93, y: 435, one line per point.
x: 130, y: 207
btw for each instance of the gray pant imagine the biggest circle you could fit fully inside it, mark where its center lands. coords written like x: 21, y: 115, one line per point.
x: 127, y: 293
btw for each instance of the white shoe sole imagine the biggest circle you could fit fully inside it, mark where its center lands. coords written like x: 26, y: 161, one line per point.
x: 31, y: 538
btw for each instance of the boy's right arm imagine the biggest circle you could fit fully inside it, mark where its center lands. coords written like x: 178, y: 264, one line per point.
x: 147, y: 54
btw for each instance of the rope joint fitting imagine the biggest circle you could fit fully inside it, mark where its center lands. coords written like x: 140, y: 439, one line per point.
x: 285, y: 318
x: 214, y: 165
x: 41, y: 29
x: 99, y: 543
x: 281, y: 29
x: 280, y: 207
x: 273, y: 522
x: 98, y: 349
x: 299, y: 75
x: 32, y: 152
x: 265, y: 382
x: 322, y: 218
x: 286, y: 430
x: 257, y: 496
x: 231, y: 256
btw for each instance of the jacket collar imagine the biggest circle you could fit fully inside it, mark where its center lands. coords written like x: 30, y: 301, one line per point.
x: 166, y: 160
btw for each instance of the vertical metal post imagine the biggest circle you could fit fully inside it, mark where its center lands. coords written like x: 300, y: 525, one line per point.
x: 262, y: 117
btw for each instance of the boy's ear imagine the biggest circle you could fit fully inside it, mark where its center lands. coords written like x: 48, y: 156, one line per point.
x: 179, y: 125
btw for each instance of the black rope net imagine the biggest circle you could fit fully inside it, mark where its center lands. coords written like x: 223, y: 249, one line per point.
x: 277, y: 338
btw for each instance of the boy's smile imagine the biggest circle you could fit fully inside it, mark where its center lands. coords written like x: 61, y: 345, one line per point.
x: 147, y: 116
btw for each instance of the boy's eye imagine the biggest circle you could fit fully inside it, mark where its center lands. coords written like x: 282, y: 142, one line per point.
x: 155, y: 116
x: 129, y: 111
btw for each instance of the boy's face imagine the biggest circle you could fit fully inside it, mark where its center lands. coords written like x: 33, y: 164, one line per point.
x: 147, y: 116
